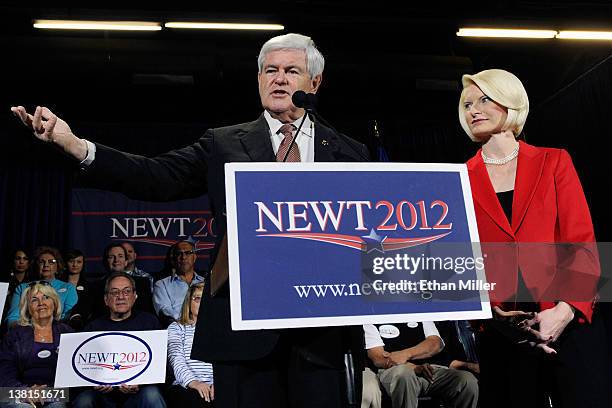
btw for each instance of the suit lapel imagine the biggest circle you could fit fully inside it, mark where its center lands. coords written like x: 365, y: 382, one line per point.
x: 255, y: 139
x: 326, y: 145
x: 528, y: 174
x: 484, y: 194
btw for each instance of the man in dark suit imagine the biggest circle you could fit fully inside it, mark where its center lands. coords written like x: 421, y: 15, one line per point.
x: 267, y: 368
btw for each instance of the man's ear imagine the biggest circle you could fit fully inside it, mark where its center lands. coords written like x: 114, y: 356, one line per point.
x: 315, y: 83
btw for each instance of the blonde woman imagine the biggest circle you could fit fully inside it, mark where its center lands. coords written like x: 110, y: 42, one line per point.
x: 527, y: 199
x: 28, y: 356
x: 193, y: 384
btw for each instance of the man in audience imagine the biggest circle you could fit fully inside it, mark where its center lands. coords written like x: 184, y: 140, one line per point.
x: 115, y: 260
x: 460, y: 350
x: 119, y: 297
x: 130, y: 266
x: 169, y: 292
x: 404, y: 357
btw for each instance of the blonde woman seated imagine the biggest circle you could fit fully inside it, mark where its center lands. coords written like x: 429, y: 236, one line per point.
x: 28, y: 356
x: 193, y: 384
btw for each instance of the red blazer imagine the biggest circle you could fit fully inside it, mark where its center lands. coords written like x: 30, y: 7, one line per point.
x: 549, y: 206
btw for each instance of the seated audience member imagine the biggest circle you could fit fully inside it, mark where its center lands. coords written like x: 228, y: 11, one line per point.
x: 130, y: 266
x: 169, y: 292
x: 75, y: 275
x: 193, y: 384
x: 28, y: 356
x: 460, y: 345
x: 404, y: 355
x: 18, y: 273
x: 119, y: 296
x: 115, y: 260
x: 371, y: 396
x: 20, y: 264
x: 47, y: 263
x: 169, y: 264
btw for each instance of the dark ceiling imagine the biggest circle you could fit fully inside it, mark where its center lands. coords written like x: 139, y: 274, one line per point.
x: 383, y: 60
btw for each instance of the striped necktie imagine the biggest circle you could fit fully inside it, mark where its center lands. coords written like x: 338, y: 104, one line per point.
x: 287, y: 130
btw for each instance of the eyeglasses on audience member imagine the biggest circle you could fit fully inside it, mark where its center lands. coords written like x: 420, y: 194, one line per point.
x: 42, y: 262
x: 116, y: 292
x: 184, y: 253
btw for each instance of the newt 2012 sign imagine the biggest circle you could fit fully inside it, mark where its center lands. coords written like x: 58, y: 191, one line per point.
x: 319, y: 244
x: 111, y: 358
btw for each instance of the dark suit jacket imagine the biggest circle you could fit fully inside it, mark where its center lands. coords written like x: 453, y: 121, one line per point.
x: 549, y: 206
x: 198, y: 168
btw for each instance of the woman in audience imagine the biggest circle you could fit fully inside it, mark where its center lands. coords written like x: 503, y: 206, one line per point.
x: 193, y: 384
x: 75, y: 274
x: 20, y: 263
x: 19, y: 267
x: 28, y: 355
x: 545, y: 343
x: 48, y: 263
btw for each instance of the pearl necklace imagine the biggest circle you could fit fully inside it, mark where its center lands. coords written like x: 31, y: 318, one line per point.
x: 498, y: 162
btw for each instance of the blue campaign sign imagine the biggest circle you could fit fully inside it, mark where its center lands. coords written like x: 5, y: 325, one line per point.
x: 101, y: 217
x: 328, y: 244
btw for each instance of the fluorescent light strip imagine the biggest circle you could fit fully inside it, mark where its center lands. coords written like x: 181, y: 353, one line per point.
x: 97, y: 25
x: 585, y: 35
x: 224, y: 26
x: 505, y: 33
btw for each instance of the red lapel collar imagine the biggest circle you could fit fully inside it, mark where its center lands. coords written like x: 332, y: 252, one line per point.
x: 528, y: 174
x: 484, y: 194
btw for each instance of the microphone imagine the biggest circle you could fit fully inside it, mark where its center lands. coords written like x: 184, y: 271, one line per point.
x: 301, y: 99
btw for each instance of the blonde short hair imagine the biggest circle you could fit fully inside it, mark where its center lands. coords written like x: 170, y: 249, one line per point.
x: 505, y: 89
x: 25, y: 318
x: 186, y: 316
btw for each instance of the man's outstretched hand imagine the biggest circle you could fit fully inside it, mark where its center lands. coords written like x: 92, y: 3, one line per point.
x: 48, y: 127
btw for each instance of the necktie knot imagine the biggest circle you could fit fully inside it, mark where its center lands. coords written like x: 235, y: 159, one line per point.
x: 287, y: 130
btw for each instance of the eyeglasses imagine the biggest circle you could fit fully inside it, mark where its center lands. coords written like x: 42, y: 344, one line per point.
x: 38, y: 282
x: 36, y: 300
x: 42, y: 262
x: 184, y: 253
x: 116, y: 292
x: 196, y: 299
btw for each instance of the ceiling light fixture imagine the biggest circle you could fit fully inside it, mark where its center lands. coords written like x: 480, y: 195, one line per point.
x: 585, y: 35
x: 97, y: 25
x: 224, y: 26
x: 505, y: 33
